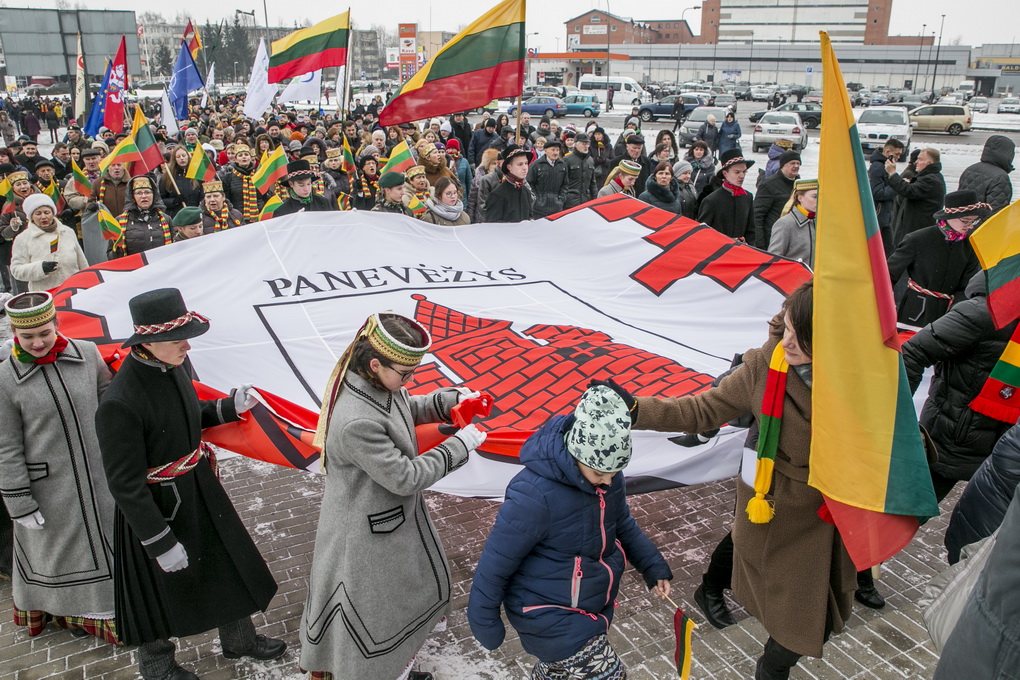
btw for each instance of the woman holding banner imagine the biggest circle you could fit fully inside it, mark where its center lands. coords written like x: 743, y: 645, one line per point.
x: 379, y: 582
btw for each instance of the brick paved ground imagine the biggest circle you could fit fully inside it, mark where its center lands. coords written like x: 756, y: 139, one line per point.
x: 280, y: 508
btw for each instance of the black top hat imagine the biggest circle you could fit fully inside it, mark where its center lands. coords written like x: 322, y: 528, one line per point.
x: 963, y: 203
x: 298, y: 169
x: 732, y: 157
x: 161, y: 316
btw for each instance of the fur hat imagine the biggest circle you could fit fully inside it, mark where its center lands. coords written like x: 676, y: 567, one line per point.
x: 161, y: 316
x: 35, y: 201
x: 391, y: 179
x: 600, y: 434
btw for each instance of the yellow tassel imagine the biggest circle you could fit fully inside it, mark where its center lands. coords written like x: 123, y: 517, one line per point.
x: 759, y: 510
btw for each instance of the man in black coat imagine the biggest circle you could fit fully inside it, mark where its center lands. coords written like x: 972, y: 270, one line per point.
x: 634, y: 150
x: 512, y: 199
x: 462, y: 130
x: 772, y: 195
x: 302, y: 196
x: 881, y: 192
x: 964, y: 346
x: 481, y: 140
x: 990, y: 178
x: 729, y: 208
x: 547, y: 177
x: 581, y: 186
x: 922, y: 196
x: 184, y: 562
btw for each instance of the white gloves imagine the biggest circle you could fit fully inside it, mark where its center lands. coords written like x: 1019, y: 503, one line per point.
x: 33, y: 521
x: 5, y: 349
x: 244, y: 398
x: 471, y: 436
x: 174, y: 559
x: 467, y: 393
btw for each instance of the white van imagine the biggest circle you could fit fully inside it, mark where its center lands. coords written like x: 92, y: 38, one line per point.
x: 624, y: 89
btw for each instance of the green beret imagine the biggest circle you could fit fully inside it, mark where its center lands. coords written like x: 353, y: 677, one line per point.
x: 187, y: 216
x: 391, y: 179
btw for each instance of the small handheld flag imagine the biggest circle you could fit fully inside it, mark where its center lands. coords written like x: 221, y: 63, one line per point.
x: 997, y: 245
x: 82, y: 185
x: 272, y: 168
x: 271, y: 206
x: 400, y: 159
x: 108, y: 224
x: 200, y: 168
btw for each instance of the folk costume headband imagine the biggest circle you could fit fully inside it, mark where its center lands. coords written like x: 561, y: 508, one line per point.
x: 387, y: 346
x: 30, y: 310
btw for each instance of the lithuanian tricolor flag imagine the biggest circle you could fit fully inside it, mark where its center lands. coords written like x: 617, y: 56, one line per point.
x: 400, y: 159
x: 483, y: 62
x: 125, y: 152
x: 997, y: 244
x: 200, y: 167
x: 82, y: 185
x: 271, y: 169
x: 271, y: 206
x: 310, y: 49
x: 867, y: 457
x: 108, y: 224
x: 348, y: 165
x: 145, y: 142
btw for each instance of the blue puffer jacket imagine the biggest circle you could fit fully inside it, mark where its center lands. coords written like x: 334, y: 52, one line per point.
x: 556, y: 553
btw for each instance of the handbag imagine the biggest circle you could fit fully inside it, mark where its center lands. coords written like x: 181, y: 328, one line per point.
x: 946, y: 595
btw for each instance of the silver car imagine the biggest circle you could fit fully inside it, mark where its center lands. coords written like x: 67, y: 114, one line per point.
x: 689, y: 130
x: 1009, y: 105
x: 978, y: 104
x: 779, y: 125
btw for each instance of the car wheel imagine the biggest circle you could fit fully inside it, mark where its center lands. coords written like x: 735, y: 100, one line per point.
x: 588, y: 113
x: 755, y: 148
x: 955, y: 129
x: 810, y: 123
x: 511, y: 111
x: 646, y: 116
x: 550, y: 114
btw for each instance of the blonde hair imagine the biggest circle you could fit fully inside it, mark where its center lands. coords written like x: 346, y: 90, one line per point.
x: 795, y: 199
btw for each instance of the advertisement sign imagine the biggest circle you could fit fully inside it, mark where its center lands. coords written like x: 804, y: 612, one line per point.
x: 392, y: 57
x: 408, y: 35
x: 595, y: 30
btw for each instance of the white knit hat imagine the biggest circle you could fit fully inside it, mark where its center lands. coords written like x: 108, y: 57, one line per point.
x: 600, y: 435
x: 36, y: 201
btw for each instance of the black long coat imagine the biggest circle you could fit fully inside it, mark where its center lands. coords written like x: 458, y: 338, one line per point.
x: 732, y: 215
x: 292, y: 205
x: 149, y: 417
x: 922, y: 198
x: 926, y: 258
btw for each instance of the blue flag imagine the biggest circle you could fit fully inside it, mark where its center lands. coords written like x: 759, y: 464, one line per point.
x: 185, y: 79
x: 97, y: 113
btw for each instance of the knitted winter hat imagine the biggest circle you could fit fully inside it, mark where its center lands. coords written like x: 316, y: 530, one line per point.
x: 787, y: 157
x: 681, y: 167
x: 35, y: 201
x: 600, y: 435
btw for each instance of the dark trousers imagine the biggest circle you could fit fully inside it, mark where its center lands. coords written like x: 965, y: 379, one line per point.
x: 943, y: 485
x: 719, y: 574
x: 156, y: 660
x: 776, y: 660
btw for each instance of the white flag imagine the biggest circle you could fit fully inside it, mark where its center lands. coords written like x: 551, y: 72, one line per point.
x: 166, y: 115
x: 79, y: 86
x: 340, y: 87
x: 208, y: 84
x: 307, y: 87
x: 260, y: 93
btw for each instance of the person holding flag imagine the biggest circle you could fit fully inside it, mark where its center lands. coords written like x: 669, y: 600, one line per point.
x: 16, y: 187
x: 145, y: 224
x: 342, y: 174
x: 217, y: 214
x: 47, y: 252
x: 302, y: 196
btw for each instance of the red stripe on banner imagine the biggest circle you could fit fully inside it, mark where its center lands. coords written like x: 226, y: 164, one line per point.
x: 883, y: 292
x: 871, y: 537
x: 336, y: 56
x: 447, y: 95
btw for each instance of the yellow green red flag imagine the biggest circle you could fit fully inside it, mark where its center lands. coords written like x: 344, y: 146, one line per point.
x: 310, y: 49
x: 110, y: 227
x: 200, y: 168
x: 272, y: 168
x: 997, y: 244
x: 867, y: 457
x: 400, y: 159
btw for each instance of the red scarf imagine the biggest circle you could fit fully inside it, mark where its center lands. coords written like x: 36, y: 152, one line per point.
x: 26, y: 357
x: 737, y: 191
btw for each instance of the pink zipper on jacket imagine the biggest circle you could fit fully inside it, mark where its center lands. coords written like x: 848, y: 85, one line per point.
x: 602, y: 527
x: 575, y: 582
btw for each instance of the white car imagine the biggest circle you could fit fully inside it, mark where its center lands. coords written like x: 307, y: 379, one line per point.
x: 881, y: 123
x: 1010, y: 105
x: 779, y: 125
x: 978, y: 105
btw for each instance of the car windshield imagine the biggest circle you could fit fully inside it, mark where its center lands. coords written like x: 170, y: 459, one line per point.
x: 724, y: 98
x: 1011, y: 101
x: 701, y: 113
x: 778, y: 119
x: 979, y: 100
x: 882, y: 117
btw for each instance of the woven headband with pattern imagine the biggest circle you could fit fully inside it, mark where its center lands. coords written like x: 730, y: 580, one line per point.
x: 394, y: 350
x: 967, y: 208
x: 153, y: 329
x: 738, y: 159
x: 33, y: 316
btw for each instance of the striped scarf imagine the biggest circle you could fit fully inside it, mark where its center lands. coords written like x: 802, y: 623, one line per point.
x: 120, y: 246
x: 25, y: 357
x: 999, y: 398
x: 249, y: 200
x: 369, y: 187
x: 222, y: 221
x: 759, y: 510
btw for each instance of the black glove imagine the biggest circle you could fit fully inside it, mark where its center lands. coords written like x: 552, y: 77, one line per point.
x: 48, y: 266
x: 627, y: 397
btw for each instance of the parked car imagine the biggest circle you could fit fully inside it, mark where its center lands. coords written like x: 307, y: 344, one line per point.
x: 779, y: 125
x: 878, y: 99
x: 541, y: 90
x: 689, y: 130
x: 727, y: 100
x: 942, y: 118
x: 742, y: 92
x: 491, y: 107
x: 1009, y: 105
x: 761, y: 94
x: 549, y: 107
x: 813, y: 97
x: 978, y: 104
x: 586, y: 105
x: 876, y: 125
x: 664, y: 107
x: 810, y: 114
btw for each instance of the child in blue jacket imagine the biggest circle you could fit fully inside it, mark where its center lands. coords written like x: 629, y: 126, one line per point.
x: 558, y: 548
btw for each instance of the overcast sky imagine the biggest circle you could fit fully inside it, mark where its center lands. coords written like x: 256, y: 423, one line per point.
x: 973, y: 22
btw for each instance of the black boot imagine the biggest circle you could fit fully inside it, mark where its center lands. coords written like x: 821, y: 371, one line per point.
x: 419, y: 675
x: 713, y: 605
x: 866, y: 593
x: 265, y: 649
x: 182, y: 674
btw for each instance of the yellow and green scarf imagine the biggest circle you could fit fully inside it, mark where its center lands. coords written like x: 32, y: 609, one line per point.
x: 759, y: 510
x: 999, y: 398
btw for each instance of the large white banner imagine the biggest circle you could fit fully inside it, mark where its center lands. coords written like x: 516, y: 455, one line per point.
x: 526, y: 312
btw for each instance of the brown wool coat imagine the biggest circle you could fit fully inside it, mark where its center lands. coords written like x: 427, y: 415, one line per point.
x: 790, y: 572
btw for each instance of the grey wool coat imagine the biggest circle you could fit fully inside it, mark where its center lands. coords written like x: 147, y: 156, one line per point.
x: 380, y: 581
x: 50, y: 462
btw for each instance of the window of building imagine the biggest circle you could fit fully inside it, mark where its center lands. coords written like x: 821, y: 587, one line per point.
x: 577, y: 29
x: 614, y: 27
x: 676, y: 25
x: 595, y: 19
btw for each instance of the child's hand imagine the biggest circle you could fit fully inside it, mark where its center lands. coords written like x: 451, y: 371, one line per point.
x: 661, y: 588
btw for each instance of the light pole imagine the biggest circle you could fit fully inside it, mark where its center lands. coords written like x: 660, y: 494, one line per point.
x: 235, y: 73
x: 680, y: 43
x: 920, y: 46
x: 750, y: 61
x: 251, y: 13
x: 927, y: 64
x: 609, y: 34
x: 935, y: 71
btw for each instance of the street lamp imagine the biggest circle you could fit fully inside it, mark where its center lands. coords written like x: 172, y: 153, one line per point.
x: 920, y: 46
x: 680, y: 43
x: 609, y: 49
x: 251, y: 13
x: 935, y: 71
x: 235, y: 73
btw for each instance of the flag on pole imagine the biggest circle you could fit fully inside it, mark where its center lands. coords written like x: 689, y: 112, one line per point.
x: 997, y: 244
x: 113, y: 115
x: 192, y: 39
x: 210, y: 80
x: 185, y: 80
x: 82, y: 185
x: 145, y: 142
x: 124, y: 152
x: 400, y: 159
x: 7, y: 191
x: 110, y: 227
x: 306, y: 87
x: 309, y: 49
x: 167, y: 116
x: 200, y: 168
x: 683, y: 627
x: 97, y: 113
x: 271, y: 206
x: 861, y: 405
x: 80, y: 93
x: 271, y: 169
x: 259, y: 94
x: 483, y: 62
x: 348, y: 165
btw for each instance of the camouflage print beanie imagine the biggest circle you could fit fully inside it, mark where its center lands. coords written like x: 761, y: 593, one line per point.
x: 600, y: 435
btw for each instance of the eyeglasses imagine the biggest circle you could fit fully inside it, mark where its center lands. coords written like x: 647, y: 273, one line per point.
x: 404, y: 375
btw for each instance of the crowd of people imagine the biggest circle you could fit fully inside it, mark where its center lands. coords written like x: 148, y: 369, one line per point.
x: 136, y: 541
